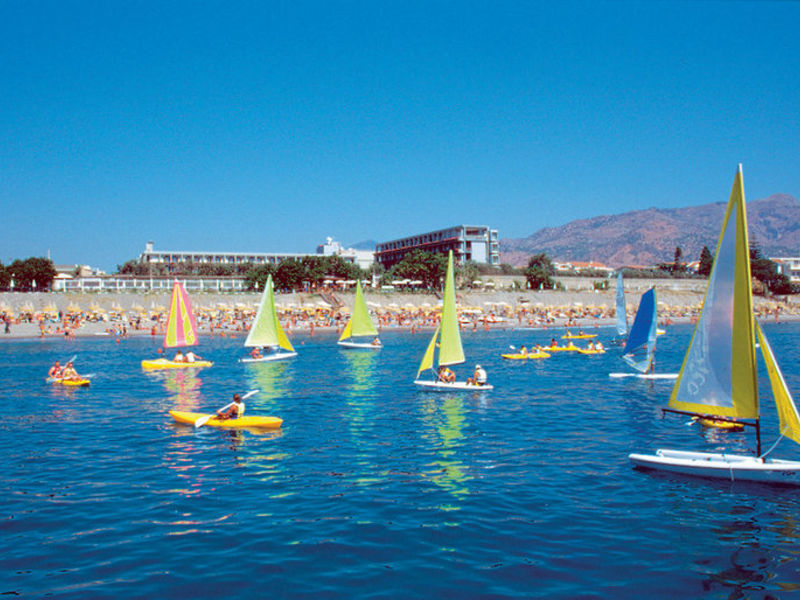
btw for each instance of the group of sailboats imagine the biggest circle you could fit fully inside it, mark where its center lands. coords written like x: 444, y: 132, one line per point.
x: 718, y: 379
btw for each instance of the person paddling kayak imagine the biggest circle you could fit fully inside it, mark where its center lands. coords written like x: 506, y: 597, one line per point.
x: 234, y: 410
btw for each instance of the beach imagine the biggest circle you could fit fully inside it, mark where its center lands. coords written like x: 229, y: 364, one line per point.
x: 32, y: 315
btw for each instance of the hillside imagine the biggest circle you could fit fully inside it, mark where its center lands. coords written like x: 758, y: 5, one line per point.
x: 648, y: 237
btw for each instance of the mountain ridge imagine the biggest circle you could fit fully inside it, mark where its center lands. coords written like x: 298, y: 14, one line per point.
x: 649, y: 236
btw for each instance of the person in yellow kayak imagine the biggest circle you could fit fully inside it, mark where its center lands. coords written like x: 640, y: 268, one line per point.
x: 234, y: 410
x: 55, y: 370
x: 69, y: 372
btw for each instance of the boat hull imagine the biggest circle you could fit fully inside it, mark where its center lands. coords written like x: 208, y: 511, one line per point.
x: 360, y: 345
x: 441, y: 386
x: 82, y: 382
x: 162, y: 363
x: 254, y: 422
x: 533, y: 355
x: 269, y: 357
x: 732, y: 467
x: 645, y: 375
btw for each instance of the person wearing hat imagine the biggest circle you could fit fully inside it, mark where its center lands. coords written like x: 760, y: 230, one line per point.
x: 479, y: 377
x: 234, y: 410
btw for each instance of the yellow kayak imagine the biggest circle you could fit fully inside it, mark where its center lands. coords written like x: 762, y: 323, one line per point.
x: 82, y: 382
x: 721, y: 424
x: 247, y: 421
x: 570, y: 348
x: 163, y: 363
x: 526, y: 356
x: 590, y: 351
x: 578, y: 336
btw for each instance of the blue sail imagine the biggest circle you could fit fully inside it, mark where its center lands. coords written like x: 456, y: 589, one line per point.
x: 641, y: 344
x: 622, y: 317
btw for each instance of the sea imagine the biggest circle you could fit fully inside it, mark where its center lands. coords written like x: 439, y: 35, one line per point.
x: 374, y: 488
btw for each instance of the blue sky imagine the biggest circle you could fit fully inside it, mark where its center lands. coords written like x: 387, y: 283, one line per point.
x: 267, y: 126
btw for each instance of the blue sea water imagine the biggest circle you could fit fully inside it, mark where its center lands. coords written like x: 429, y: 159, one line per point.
x: 373, y: 488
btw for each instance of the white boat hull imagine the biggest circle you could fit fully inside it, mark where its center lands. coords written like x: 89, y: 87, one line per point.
x: 645, y: 375
x: 361, y: 345
x: 441, y: 386
x: 269, y: 357
x: 733, y: 467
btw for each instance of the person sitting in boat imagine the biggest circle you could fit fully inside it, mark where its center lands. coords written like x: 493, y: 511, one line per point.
x: 69, y: 372
x: 479, y: 377
x: 376, y: 342
x: 256, y: 353
x: 179, y: 357
x: 591, y: 346
x: 446, y: 375
x: 192, y: 357
x: 553, y: 342
x: 55, y: 371
x: 234, y: 410
x: 523, y: 350
x: 599, y: 347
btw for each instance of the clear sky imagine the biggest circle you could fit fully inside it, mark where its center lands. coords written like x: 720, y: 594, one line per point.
x: 267, y: 126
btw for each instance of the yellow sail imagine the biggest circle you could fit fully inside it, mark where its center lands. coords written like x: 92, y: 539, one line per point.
x: 360, y: 322
x: 450, y: 351
x: 427, y: 358
x: 787, y: 410
x: 266, y: 329
x: 718, y: 376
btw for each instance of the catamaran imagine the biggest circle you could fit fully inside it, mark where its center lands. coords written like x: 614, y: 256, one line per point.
x: 640, y: 349
x: 718, y: 379
x: 360, y: 325
x: 448, y: 340
x: 181, y: 332
x: 266, y: 336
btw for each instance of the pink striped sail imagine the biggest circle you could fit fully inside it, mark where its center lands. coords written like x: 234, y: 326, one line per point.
x: 181, y: 324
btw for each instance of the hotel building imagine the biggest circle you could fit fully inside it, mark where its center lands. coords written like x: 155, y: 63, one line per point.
x: 478, y: 243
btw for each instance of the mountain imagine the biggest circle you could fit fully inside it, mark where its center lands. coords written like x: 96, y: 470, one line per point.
x: 648, y: 237
x: 365, y: 245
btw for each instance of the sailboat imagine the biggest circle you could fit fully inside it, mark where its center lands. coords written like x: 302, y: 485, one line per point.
x: 266, y: 331
x: 447, y: 339
x: 181, y: 331
x: 718, y: 379
x: 360, y: 324
x: 639, y: 351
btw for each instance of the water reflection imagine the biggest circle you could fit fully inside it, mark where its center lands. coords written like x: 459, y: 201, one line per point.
x: 444, y: 416
x: 184, y: 386
x: 361, y: 368
x: 272, y: 378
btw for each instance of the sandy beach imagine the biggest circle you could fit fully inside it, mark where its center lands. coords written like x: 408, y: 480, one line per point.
x: 32, y: 315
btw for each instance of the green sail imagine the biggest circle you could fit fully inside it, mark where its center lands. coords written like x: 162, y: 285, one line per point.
x: 360, y: 322
x: 266, y: 330
x: 450, y: 350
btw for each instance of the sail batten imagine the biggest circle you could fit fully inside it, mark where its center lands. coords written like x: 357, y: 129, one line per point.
x: 181, y: 325
x: 718, y: 375
x: 266, y: 330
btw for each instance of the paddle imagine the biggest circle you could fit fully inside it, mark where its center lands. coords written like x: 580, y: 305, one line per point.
x: 203, y: 420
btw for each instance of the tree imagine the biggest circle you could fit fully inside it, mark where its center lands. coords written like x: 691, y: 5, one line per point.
x: 314, y: 269
x: 424, y: 266
x: 5, y: 278
x: 540, y: 271
x: 289, y: 275
x: 31, y: 273
x: 256, y: 277
x: 677, y: 264
x: 467, y: 273
x: 706, y: 262
x: 766, y: 271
